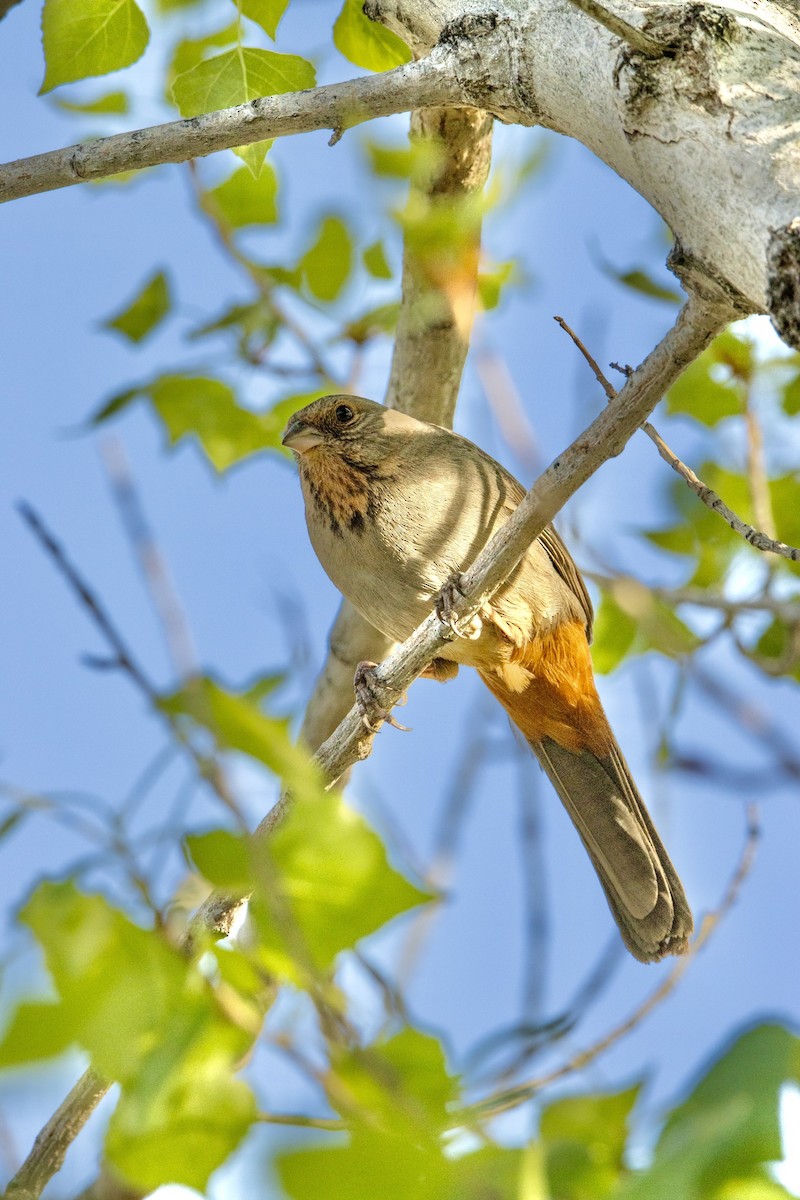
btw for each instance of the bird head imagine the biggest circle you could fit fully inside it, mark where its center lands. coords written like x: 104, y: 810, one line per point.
x: 335, y: 423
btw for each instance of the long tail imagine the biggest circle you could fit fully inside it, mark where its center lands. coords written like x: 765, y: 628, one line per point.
x: 579, y: 753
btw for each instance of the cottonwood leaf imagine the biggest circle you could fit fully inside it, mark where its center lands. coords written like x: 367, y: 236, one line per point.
x: 244, y: 199
x: 145, y: 312
x: 326, y: 264
x: 112, y: 102
x: 266, y: 13
x: 90, y: 37
x: 366, y: 43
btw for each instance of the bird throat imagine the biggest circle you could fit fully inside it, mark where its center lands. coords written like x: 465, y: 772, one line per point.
x: 339, y: 488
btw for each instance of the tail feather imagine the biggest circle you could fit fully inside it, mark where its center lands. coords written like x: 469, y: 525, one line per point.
x: 641, y: 885
x: 578, y: 752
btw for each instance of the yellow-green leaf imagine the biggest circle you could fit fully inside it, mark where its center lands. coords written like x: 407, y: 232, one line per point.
x: 326, y: 264
x: 266, y: 13
x: 145, y: 311
x: 90, y: 37
x: 245, y: 200
x: 367, y: 43
x: 112, y: 102
x: 376, y: 262
x: 236, y: 77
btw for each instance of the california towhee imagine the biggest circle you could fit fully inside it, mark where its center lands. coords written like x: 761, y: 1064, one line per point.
x: 396, y: 508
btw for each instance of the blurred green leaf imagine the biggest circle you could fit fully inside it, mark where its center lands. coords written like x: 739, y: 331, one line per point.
x: 699, y: 393
x: 266, y: 13
x: 92, y: 37
x: 244, y: 200
x: 376, y: 262
x: 584, y: 1139
x: 403, y: 1084
x: 790, y: 394
x: 112, y: 102
x: 779, y: 647
x: 326, y: 264
x: 196, y: 406
x: 640, y: 281
x: 337, y: 880
x: 38, y: 1029
x: 729, y: 1125
x: 382, y: 319
x: 145, y: 312
x: 491, y: 283
x: 614, y: 634
x: 373, y: 1165
x: 191, y: 51
x: 222, y: 859
x: 236, y: 77
x: 366, y: 43
x: 254, y: 326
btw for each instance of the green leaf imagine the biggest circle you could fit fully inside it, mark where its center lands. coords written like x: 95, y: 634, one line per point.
x: 266, y: 13
x: 374, y: 1164
x: 180, y: 1126
x: 584, y: 1139
x: 196, y: 406
x: 402, y: 1083
x: 149, y: 1020
x: 729, y: 1126
x: 370, y: 324
x: 255, y: 327
x: 376, y: 262
x: 701, y: 394
x: 640, y: 281
x: 236, y: 77
x: 366, y: 43
x: 791, y: 396
x: 614, y: 634
x: 491, y: 284
x: 145, y: 312
x: 90, y: 37
x: 112, y: 102
x: 244, y: 200
x: 191, y: 51
x: 222, y: 859
x: 335, y: 876
x: 326, y: 264
x: 39, y: 1029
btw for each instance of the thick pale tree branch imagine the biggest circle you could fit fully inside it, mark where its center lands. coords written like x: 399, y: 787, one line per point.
x: 336, y: 106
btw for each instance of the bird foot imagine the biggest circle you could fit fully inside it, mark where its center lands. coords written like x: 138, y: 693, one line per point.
x: 371, y: 699
x: 446, y: 603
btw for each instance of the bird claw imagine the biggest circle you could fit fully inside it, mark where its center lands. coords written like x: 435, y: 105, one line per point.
x: 446, y: 603
x: 370, y: 699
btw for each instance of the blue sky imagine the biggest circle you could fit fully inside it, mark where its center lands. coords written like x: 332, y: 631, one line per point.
x: 257, y: 600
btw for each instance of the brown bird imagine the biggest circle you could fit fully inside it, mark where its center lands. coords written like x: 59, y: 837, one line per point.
x: 396, y: 509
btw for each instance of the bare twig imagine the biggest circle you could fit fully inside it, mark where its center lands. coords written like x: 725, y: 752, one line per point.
x: 55, y: 1138
x: 637, y: 39
x: 152, y: 564
x: 335, y: 106
x: 755, y: 537
x: 511, y: 1098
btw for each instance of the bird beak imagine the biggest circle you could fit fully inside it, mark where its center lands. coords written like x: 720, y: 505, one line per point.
x: 301, y: 437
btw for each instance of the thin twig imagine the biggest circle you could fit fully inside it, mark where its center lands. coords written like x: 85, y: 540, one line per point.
x: 511, y: 1098
x: 637, y: 39
x: 755, y: 537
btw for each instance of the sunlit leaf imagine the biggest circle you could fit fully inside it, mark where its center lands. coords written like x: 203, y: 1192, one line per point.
x: 326, y: 264
x: 236, y: 77
x: 791, y: 396
x: 222, y: 859
x: 614, y: 634
x: 90, y: 37
x: 729, y: 1125
x: 196, y: 406
x: 376, y: 262
x: 38, y: 1029
x: 366, y: 43
x: 244, y: 200
x: 701, y: 394
x: 266, y: 13
x: 112, y: 102
x: 584, y: 1139
x: 145, y: 312
x: 335, y: 875
x: 191, y: 51
x: 491, y: 283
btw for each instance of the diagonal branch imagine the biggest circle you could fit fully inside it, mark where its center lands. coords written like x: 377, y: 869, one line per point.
x: 336, y: 106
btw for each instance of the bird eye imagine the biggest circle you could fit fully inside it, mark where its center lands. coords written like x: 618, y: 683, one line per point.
x: 344, y: 413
